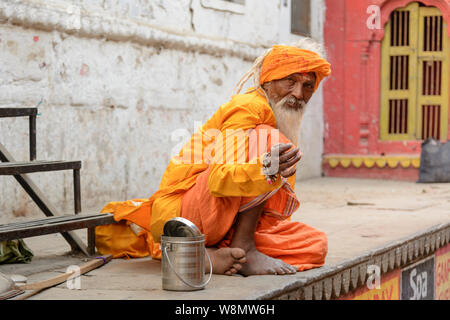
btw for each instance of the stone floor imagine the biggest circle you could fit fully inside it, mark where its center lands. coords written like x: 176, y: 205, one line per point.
x: 357, y: 216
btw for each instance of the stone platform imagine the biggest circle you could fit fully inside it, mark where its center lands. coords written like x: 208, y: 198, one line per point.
x: 389, y: 226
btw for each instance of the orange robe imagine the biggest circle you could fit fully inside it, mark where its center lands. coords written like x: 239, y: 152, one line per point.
x: 209, y: 186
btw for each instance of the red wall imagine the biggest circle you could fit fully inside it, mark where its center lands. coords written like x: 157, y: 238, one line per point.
x: 352, y: 92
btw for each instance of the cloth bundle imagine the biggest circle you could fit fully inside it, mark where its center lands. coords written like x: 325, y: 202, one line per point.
x: 15, y: 251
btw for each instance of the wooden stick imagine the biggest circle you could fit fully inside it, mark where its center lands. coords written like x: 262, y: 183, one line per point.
x: 41, y: 285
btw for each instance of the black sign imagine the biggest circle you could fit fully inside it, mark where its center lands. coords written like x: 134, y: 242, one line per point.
x: 418, y: 281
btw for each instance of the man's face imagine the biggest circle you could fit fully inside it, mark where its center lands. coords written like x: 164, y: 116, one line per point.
x: 297, y: 88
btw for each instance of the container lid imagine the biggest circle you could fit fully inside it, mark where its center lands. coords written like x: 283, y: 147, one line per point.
x: 181, y: 227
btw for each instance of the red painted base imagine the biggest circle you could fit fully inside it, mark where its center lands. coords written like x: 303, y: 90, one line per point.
x: 403, y: 174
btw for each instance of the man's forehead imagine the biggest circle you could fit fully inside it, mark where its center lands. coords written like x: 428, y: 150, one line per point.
x: 306, y: 75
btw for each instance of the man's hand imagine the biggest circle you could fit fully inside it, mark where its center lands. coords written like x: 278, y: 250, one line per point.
x: 283, y: 158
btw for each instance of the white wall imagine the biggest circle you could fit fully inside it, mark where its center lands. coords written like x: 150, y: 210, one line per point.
x: 114, y: 78
x: 311, y: 133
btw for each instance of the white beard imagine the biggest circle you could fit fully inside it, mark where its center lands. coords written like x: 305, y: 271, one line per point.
x: 288, y: 120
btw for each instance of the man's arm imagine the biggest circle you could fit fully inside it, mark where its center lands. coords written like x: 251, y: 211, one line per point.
x: 232, y: 172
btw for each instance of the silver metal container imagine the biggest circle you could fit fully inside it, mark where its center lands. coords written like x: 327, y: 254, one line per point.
x: 181, y: 227
x: 183, y: 257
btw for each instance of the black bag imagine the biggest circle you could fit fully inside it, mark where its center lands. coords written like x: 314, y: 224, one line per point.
x: 434, y: 162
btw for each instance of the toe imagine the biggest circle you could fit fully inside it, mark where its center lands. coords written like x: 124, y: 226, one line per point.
x: 237, y: 253
x: 288, y: 270
x: 283, y: 270
x: 294, y: 269
x: 242, y: 260
x: 237, y: 266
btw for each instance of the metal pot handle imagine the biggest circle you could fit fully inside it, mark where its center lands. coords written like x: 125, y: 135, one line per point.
x: 200, y: 286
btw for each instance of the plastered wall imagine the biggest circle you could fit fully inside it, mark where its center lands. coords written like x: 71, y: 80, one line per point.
x: 114, y: 79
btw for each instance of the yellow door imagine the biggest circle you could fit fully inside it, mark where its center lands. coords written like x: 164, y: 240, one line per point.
x: 414, y: 75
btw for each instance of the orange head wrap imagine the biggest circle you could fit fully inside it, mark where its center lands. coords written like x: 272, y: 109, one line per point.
x: 283, y: 61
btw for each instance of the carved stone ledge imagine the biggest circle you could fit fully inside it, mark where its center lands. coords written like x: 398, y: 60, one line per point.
x: 345, y: 287
x: 410, y: 250
x: 327, y: 284
x: 308, y: 292
x: 421, y: 246
x: 317, y: 290
x: 398, y: 257
x: 71, y: 19
x: 392, y: 257
x: 337, y: 284
x: 354, y: 278
x: 335, y: 281
x: 433, y: 242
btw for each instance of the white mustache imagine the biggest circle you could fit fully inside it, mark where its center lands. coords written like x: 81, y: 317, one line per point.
x: 292, y: 101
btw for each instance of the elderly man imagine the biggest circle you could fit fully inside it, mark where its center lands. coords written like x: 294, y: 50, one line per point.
x: 239, y: 193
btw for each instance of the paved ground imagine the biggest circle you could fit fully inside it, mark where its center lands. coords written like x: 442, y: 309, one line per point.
x: 357, y: 215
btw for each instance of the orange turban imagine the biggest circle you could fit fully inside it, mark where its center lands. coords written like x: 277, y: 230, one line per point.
x: 283, y: 61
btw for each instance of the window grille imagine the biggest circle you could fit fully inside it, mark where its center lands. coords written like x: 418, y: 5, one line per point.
x: 414, y: 75
x: 398, y: 116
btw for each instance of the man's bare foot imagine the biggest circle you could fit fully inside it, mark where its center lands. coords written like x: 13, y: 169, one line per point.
x: 243, y: 237
x: 225, y: 260
x: 260, y: 264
